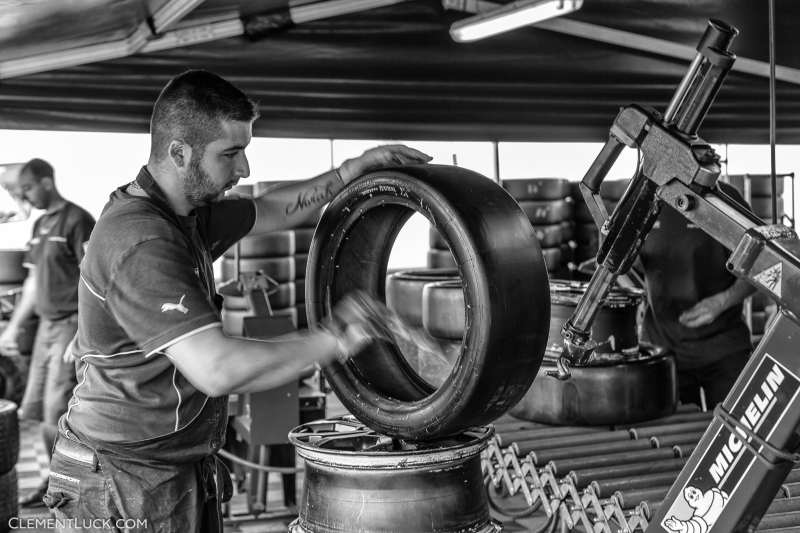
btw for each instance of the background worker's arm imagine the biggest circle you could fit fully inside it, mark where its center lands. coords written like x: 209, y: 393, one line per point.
x: 290, y: 205
x: 708, y: 309
x: 22, y: 312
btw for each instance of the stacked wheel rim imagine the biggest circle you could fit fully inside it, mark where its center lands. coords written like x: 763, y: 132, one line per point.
x: 639, y: 388
x: 358, y: 479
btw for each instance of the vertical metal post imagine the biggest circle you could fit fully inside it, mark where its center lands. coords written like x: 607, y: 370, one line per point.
x: 773, y: 177
x: 496, y: 145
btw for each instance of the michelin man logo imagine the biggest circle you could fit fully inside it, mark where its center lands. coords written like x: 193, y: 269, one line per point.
x: 706, y: 508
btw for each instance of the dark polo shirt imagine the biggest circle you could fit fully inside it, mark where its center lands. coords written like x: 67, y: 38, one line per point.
x: 55, y: 251
x: 146, y: 283
x: 683, y: 265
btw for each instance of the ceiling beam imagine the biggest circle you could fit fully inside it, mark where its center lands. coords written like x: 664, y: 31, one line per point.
x: 80, y: 55
x: 164, y: 18
x: 173, y: 12
x: 223, y: 26
x: 150, y: 37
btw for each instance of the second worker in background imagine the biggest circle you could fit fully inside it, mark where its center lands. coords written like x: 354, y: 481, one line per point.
x: 54, y: 254
x: 695, y: 305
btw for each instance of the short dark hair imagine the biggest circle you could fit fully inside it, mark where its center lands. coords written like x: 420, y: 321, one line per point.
x: 191, y: 107
x: 38, y: 169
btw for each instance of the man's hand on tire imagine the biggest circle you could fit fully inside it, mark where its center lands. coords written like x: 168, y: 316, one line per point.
x: 389, y: 155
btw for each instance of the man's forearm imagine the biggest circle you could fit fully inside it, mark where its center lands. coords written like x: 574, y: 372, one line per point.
x: 288, y: 206
x: 281, y: 362
x: 26, y: 305
x: 737, y: 292
x: 219, y: 365
x: 291, y: 205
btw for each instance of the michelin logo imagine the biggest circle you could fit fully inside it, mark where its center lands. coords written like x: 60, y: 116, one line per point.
x: 721, y: 469
x: 706, y: 506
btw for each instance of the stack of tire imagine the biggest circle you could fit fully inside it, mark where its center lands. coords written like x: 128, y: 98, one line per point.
x: 549, y: 207
x: 281, y: 255
x: 12, y: 273
x: 587, y: 234
x: 431, y: 304
x: 9, y: 453
x: 14, y: 369
x: 761, y: 196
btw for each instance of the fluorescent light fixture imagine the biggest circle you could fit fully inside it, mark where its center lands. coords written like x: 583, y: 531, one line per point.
x: 509, y: 17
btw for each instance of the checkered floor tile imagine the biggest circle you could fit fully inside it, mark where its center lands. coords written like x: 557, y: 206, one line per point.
x: 33, y: 467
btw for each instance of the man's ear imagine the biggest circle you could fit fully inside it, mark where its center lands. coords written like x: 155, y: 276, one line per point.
x: 48, y: 183
x: 179, y: 153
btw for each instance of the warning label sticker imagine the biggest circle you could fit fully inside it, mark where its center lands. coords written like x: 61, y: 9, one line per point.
x: 771, y: 278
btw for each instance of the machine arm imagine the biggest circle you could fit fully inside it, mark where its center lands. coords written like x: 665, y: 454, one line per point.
x: 671, y: 151
x: 743, y: 457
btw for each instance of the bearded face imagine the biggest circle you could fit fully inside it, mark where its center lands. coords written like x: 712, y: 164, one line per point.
x: 198, y: 186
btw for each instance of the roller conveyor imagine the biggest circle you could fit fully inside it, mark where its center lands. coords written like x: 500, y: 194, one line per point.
x: 609, y: 479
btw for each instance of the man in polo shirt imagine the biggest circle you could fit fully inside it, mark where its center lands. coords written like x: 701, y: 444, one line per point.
x: 51, y: 290
x: 150, y: 408
x: 695, y: 305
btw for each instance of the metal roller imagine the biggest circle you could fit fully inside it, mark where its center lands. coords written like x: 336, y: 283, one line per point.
x: 606, y: 487
x: 791, y: 490
x: 560, y: 467
x: 780, y: 520
x: 683, y: 450
x: 793, y: 477
x: 507, y: 437
x: 541, y: 457
x: 580, y: 439
x: 669, y: 429
x: 678, y: 418
x: 784, y: 505
x: 676, y: 439
x: 582, y: 478
x: 632, y: 498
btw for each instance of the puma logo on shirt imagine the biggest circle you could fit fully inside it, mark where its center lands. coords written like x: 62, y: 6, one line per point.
x: 175, y: 307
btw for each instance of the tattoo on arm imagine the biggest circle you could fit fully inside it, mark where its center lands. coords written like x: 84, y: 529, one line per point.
x: 312, y: 197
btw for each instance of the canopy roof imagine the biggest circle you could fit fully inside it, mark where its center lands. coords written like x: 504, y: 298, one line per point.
x: 394, y: 72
